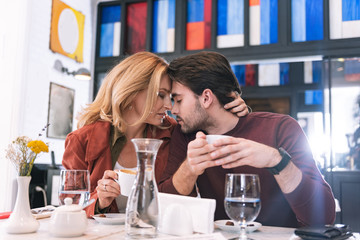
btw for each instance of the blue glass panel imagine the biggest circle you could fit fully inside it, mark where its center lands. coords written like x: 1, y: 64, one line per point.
x: 314, y: 20
x: 222, y: 17
x: 235, y: 17
x: 171, y: 14
x: 195, y: 11
x: 317, y: 71
x: 273, y: 21
x: 284, y: 73
x: 110, y: 14
x: 265, y: 21
x: 313, y: 97
x: 163, y: 20
x: 155, y: 27
x: 239, y: 71
x: 106, y: 39
x: 298, y: 25
x: 350, y: 10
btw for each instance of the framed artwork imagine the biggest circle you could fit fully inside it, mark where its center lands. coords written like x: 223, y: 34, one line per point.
x: 61, y: 111
x: 67, y: 31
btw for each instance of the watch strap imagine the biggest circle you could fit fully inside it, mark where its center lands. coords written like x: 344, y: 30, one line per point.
x: 285, y: 159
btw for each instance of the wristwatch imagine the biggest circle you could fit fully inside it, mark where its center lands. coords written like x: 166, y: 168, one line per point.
x: 285, y: 158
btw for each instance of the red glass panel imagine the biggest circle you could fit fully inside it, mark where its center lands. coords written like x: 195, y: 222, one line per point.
x: 135, y: 36
x: 250, y: 74
x: 207, y: 19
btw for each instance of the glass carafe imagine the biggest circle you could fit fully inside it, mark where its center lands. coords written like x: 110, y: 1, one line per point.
x: 142, y: 210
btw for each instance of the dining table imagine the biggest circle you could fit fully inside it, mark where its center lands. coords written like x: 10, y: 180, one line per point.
x: 97, y: 230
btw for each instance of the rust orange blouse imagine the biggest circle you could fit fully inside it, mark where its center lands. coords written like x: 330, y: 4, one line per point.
x: 89, y: 148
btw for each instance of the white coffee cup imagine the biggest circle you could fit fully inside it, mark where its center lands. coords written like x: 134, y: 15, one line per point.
x: 126, y: 178
x: 212, y: 138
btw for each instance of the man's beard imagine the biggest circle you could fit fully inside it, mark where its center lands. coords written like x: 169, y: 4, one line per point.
x: 196, y: 121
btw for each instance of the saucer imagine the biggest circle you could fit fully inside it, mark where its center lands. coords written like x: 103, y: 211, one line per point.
x: 252, y: 226
x: 43, y: 212
x: 110, y: 218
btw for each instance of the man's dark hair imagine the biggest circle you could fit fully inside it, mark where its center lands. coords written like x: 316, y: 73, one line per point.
x: 205, y: 70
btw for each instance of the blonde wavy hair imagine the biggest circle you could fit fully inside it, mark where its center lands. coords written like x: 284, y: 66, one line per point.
x: 137, y: 72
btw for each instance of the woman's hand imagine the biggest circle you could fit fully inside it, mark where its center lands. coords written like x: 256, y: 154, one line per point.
x: 238, y: 106
x: 107, y: 189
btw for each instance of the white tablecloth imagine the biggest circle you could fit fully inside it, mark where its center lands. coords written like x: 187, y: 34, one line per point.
x: 100, y: 231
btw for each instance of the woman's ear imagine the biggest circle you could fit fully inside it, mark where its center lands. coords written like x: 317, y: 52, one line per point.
x: 207, y: 98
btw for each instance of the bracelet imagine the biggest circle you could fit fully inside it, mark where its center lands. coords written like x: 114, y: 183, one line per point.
x: 285, y: 159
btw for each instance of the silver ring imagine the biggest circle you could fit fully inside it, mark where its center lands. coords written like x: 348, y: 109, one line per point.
x: 105, y: 188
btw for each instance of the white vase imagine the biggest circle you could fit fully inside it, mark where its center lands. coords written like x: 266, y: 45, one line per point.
x: 21, y: 220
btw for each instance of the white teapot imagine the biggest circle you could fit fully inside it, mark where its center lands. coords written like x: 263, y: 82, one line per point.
x: 68, y: 220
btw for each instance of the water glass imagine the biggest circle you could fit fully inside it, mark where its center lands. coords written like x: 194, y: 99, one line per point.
x: 74, y: 184
x: 242, y: 199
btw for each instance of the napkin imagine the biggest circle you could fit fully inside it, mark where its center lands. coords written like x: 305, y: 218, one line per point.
x: 201, y: 210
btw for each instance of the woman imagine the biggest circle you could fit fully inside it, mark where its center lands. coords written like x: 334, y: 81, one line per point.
x: 131, y: 103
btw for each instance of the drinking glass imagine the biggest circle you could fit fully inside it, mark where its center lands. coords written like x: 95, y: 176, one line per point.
x: 74, y: 184
x: 242, y: 199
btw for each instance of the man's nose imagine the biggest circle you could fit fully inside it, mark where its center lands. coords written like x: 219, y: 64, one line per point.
x: 174, y: 110
x: 167, y: 104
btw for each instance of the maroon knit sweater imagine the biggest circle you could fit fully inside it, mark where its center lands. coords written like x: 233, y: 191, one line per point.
x: 311, y: 203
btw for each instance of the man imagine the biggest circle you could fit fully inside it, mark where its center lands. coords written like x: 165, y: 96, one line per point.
x: 293, y: 192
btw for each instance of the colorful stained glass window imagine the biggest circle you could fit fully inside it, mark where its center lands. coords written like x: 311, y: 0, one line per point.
x: 344, y: 18
x: 198, y: 24
x: 263, y: 21
x: 307, y: 23
x: 164, y: 26
x: 135, y: 27
x: 245, y: 74
x: 273, y: 74
x: 312, y: 72
x: 110, y: 29
x: 230, y: 23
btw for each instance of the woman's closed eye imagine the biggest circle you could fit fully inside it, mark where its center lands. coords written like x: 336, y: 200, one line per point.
x: 163, y: 95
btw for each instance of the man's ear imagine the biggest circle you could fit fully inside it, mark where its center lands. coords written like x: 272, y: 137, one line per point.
x: 207, y: 98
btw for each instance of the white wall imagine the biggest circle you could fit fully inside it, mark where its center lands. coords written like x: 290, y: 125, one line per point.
x: 26, y: 70
x: 40, y: 71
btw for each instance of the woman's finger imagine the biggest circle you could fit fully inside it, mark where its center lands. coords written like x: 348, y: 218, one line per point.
x: 110, y: 174
x: 241, y: 108
x: 236, y: 102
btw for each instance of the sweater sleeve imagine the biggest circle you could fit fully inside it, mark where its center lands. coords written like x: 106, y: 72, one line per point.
x: 312, y: 201
x: 177, y: 154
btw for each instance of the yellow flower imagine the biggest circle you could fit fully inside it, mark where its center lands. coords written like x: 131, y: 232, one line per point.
x: 38, y: 146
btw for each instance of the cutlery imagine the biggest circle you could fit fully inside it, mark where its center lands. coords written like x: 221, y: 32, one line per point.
x: 88, y: 203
